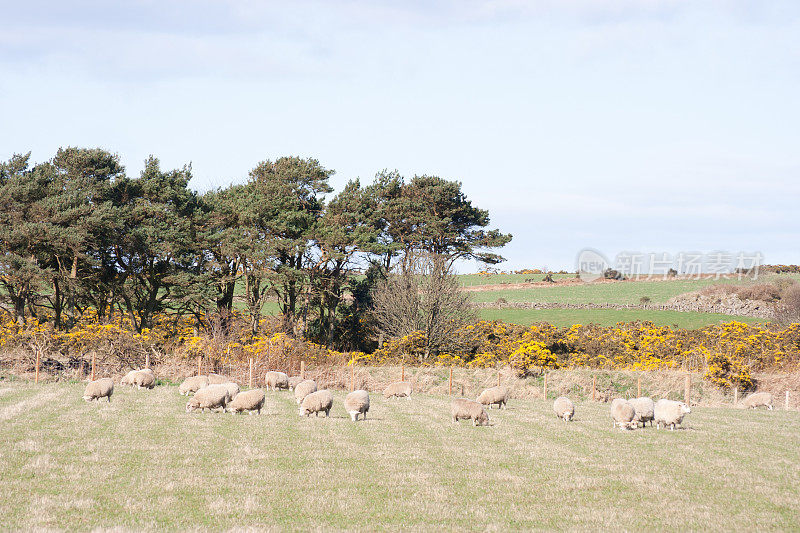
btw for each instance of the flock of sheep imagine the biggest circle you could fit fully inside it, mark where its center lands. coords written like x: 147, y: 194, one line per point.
x: 216, y: 392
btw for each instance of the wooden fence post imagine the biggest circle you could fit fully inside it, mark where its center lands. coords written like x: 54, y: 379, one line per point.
x: 94, y: 364
x: 735, y: 396
x: 302, y: 370
x: 250, y: 381
x: 450, y: 388
x: 39, y: 362
x: 544, y: 389
x: 594, y: 386
x: 147, y: 360
x: 199, y: 365
x: 786, y: 404
x: 687, y: 389
x: 403, y: 371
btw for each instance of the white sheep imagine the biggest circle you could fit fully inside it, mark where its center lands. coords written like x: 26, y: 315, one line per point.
x: 100, y: 388
x: 644, y: 408
x: 622, y: 414
x: 357, y: 403
x: 294, y: 380
x: 127, y: 379
x: 494, y: 395
x: 317, y: 402
x: 303, y: 389
x: 564, y: 408
x: 192, y: 384
x: 144, y: 380
x: 756, y: 400
x: 276, y: 380
x: 218, y: 379
x: 211, y: 397
x: 670, y: 413
x: 249, y: 400
x: 462, y: 408
x: 233, y: 389
x: 399, y: 389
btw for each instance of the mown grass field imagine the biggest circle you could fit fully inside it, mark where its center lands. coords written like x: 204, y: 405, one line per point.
x: 140, y: 462
x: 609, y: 317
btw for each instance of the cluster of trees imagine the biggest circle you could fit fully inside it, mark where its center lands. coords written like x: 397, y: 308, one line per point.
x: 77, y: 233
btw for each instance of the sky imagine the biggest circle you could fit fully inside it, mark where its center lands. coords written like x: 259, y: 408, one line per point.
x: 620, y: 125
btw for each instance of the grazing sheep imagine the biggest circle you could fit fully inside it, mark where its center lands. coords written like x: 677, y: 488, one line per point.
x: 211, y: 397
x: 144, y: 380
x: 276, y: 380
x: 192, y: 384
x: 316, y: 402
x: 127, y: 379
x: 622, y: 414
x: 218, y: 379
x: 564, y: 408
x: 100, y: 388
x: 249, y: 400
x: 303, y: 389
x: 670, y: 413
x: 149, y: 370
x: 294, y: 381
x: 644, y: 410
x: 357, y: 403
x: 233, y: 389
x: 756, y: 400
x: 399, y: 389
x: 494, y: 395
x: 462, y: 408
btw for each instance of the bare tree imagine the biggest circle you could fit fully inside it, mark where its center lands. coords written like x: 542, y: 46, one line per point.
x: 423, y: 296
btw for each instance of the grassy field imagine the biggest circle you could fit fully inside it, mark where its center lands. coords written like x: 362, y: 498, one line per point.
x: 140, y: 462
x: 609, y: 317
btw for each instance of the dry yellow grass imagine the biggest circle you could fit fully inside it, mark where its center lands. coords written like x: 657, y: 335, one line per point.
x: 140, y: 462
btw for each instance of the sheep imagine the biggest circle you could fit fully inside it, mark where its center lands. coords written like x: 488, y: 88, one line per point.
x: 100, y: 388
x: 622, y: 414
x: 644, y: 409
x: 399, y: 389
x: 276, y: 380
x: 211, y: 397
x: 127, y: 379
x: 462, y: 408
x: 192, y: 384
x: 250, y: 400
x: 356, y: 403
x: 233, y: 389
x: 321, y: 400
x: 143, y: 379
x: 218, y: 379
x: 148, y: 370
x: 756, y: 400
x: 670, y: 413
x: 294, y: 381
x: 303, y: 389
x: 564, y: 408
x: 494, y: 395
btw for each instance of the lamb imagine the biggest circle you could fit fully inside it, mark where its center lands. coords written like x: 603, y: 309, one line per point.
x: 564, y: 408
x: 756, y: 400
x: 670, y: 413
x: 250, y: 400
x: 622, y: 414
x: 144, y: 379
x: 218, y: 379
x: 303, y: 389
x: 211, y: 397
x: 276, y: 380
x: 357, y: 403
x: 399, y: 389
x: 316, y: 402
x: 100, y: 388
x: 294, y: 381
x: 494, y: 395
x: 192, y: 384
x: 462, y: 408
x: 644, y: 409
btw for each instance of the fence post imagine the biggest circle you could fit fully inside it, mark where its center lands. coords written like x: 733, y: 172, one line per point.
x: 199, y: 365
x: 450, y: 388
x: 39, y: 362
x: 544, y: 389
x: 147, y: 360
x: 302, y: 370
x: 687, y: 389
x: 786, y: 404
x: 94, y: 364
x: 639, y: 388
x: 250, y: 382
x: 594, y: 386
x: 403, y: 371
x: 735, y: 396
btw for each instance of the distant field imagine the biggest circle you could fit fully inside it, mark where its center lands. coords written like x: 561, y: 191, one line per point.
x: 609, y: 317
x: 140, y: 462
x: 472, y: 280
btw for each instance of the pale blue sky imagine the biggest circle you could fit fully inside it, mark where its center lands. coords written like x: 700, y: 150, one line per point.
x: 621, y: 125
